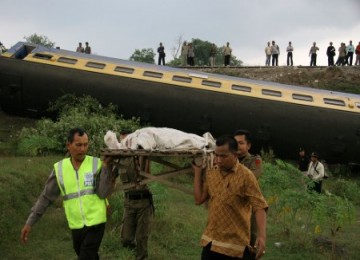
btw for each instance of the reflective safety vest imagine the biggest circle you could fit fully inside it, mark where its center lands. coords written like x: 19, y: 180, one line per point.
x: 83, y: 207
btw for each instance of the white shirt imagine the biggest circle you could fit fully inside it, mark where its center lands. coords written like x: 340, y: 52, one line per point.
x: 350, y: 48
x: 316, y: 171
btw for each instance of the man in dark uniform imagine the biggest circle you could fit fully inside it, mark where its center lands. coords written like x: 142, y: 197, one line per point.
x: 161, y: 51
x: 138, y: 208
x: 253, y: 163
x: 138, y: 203
x: 304, y: 161
x: 331, y: 52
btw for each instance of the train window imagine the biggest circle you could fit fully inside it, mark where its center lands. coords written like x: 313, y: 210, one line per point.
x: 153, y: 74
x: 42, y: 56
x: 302, y: 97
x: 211, y: 83
x: 336, y: 102
x: 182, y: 79
x: 270, y: 92
x: 67, y: 60
x: 241, y: 88
x: 124, y: 70
x: 95, y: 65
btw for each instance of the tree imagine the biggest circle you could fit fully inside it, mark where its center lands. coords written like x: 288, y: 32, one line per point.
x: 144, y: 55
x: 178, y: 44
x: 40, y: 39
x: 202, y: 53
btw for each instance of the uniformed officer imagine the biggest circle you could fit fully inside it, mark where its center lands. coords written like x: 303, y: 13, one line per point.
x: 138, y: 207
x: 253, y: 162
x: 138, y: 203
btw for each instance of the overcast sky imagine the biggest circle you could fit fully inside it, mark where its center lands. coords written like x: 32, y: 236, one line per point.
x: 116, y: 28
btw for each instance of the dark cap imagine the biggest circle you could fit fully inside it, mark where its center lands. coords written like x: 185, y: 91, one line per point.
x: 315, y: 154
x: 301, y: 149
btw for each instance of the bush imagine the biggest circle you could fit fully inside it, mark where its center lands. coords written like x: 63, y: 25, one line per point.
x: 50, y: 136
x: 302, y: 215
x: 345, y: 188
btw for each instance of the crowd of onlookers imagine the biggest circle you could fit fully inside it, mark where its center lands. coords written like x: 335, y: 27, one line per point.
x: 345, y: 54
x: 272, y: 52
x: 187, y: 55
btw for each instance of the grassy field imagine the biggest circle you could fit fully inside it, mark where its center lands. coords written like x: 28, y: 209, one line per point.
x: 177, y: 226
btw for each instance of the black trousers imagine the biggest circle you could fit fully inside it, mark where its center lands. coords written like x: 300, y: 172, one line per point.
x: 161, y: 59
x: 313, y: 59
x: 207, y: 254
x: 227, y: 60
x: 290, y: 59
x: 341, y: 61
x: 274, y: 60
x: 317, y: 187
x: 349, y: 58
x: 330, y: 60
x: 87, y: 240
x: 191, y: 61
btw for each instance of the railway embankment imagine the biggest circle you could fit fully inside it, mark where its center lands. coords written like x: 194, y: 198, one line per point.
x: 343, y: 79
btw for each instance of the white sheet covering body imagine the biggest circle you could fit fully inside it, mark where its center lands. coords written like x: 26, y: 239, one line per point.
x: 160, y: 138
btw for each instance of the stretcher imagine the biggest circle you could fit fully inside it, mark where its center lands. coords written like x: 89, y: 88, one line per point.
x: 199, y: 156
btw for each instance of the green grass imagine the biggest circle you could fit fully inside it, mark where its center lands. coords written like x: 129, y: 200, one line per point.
x: 176, y: 228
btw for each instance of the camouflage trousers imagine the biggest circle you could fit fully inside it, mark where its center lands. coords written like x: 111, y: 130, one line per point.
x: 136, y: 224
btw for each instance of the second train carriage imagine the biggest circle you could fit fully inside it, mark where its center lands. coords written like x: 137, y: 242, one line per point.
x: 280, y: 116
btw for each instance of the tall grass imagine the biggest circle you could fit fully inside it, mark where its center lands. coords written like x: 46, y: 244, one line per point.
x: 178, y: 223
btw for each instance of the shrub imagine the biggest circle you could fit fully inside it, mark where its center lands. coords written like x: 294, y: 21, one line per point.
x: 50, y: 136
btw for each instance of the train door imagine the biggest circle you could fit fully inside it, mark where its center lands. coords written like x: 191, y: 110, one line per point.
x: 23, y: 51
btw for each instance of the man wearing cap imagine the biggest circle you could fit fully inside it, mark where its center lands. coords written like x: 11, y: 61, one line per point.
x: 316, y: 171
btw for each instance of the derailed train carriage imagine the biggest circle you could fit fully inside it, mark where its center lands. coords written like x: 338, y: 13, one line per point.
x: 282, y: 117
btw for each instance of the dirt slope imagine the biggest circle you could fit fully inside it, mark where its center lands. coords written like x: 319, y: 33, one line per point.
x: 343, y: 79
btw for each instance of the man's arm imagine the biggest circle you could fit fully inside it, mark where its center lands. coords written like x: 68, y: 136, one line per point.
x: 49, y: 194
x: 260, y: 243
x: 200, y: 195
x: 105, y: 181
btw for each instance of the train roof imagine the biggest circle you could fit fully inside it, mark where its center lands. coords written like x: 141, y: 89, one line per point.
x: 34, y: 49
